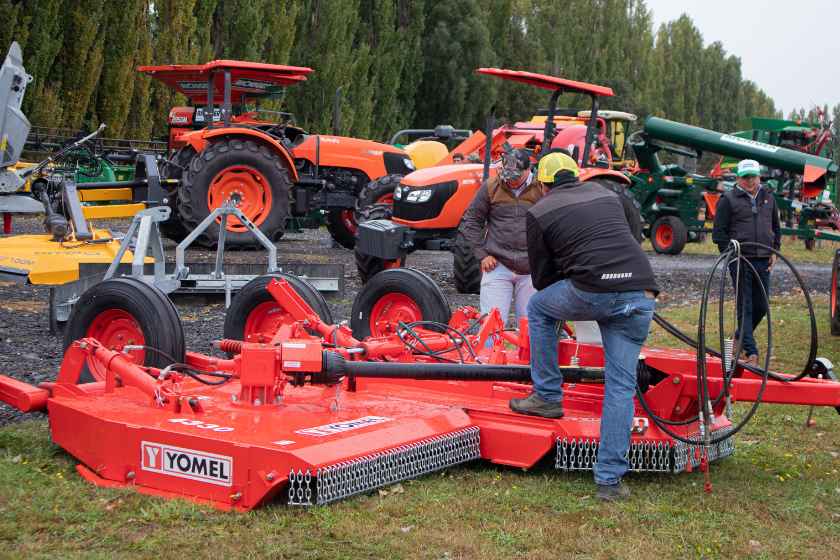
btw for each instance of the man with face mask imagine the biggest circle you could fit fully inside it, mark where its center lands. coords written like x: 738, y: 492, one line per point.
x: 494, y: 226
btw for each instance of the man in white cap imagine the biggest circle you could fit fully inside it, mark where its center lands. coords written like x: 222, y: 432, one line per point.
x: 748, y: 214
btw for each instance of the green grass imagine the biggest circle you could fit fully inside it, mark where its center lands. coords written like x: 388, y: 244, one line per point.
x: 777, y: 496
x: 793, y: 249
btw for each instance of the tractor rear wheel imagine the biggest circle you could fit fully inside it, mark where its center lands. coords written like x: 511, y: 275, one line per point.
x: 126, y: 311
x: 394, y: 296
x: 668, y: 235
x: 466, y: 266
x: 834, y: 300
x: 632, y: 208
x: 367, y: 265
x: 255, y: 316
x: 175, y: 168
x: 251, y: 175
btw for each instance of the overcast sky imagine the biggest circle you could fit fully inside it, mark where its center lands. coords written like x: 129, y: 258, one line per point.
x: 790, y: 49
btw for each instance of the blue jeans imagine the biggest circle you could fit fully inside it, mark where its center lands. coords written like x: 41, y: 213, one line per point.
x: 624, y: 319
x: 752, y: 307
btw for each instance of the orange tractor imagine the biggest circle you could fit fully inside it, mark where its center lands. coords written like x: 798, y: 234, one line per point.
x: 271, y: 169
x: 428, y: 204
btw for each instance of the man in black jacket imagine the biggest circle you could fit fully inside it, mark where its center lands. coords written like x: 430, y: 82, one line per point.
x: 748, y: 214
x: 587, y: 266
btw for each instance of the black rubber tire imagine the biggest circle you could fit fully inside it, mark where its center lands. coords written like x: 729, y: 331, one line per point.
x: 153, y: 311
x: 810, y: 244
x: 372, y: 193
x: 217, y: 156
x: 466, y: 268
x: 180, y: 161
x: 338, y: 229
x: 632, y: 207
x: 409, y: 282
x: 834, y: 295
x: 255, y: 292
x: 679, y: 235
x: 368, y: 266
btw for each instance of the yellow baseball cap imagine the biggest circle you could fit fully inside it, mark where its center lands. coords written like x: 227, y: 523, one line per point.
x: 553, y: 163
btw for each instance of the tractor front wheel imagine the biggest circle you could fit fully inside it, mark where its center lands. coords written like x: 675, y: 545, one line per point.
x: 393, y: 296
x: 255, y: 316
x: 466, y: 267
x: 668, y: 235
x: 341, y: 223
x: 246, y: 172
x: 127, y: 312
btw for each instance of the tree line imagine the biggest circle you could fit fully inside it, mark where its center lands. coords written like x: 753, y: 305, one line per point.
x: 399, y: 63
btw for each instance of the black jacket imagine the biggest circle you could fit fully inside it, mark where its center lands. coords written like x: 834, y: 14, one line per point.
x: 579, y: 231
x: 735, y: 219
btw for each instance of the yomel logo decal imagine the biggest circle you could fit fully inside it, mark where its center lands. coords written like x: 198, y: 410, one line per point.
x: 186, y: 463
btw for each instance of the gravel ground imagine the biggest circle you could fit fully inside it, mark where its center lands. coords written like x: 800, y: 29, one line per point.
x: 28, y: 351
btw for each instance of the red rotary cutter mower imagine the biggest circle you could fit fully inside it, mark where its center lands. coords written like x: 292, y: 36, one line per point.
x: 297, y: 408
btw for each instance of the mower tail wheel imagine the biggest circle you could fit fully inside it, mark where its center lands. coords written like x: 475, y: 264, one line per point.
x: 127, y: 311
x: 668, y: 235
x: 254, y: 315
x: 466, y: 267
x: 834, y: 301
x: 247, y: 172
x: 401, y: 294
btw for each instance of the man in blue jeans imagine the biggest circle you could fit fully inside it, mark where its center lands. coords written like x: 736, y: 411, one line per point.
x: 587, y: 266
x: 748, y: 214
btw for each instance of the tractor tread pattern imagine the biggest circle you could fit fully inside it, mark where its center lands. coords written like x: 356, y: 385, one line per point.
x: 466, y: 268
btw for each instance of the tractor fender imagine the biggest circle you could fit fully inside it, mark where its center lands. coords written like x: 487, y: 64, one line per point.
x: 199, y: 139
x: 594, y: 173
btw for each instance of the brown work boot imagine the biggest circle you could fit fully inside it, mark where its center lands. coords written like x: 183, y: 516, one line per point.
x: 535, y: 405
x: 613, y: 492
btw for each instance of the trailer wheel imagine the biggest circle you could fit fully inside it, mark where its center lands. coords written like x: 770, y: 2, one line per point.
x: 392, y: 296
x: 632, y: 208
x: 466, y: 267
x: 255, y: 316
x: 834, y: 300
x: 245, y: 171
x: 127, y: 311
x: 668, y: 235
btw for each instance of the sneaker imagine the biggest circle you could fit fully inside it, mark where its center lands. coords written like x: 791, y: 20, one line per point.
x: 752, y: 360
x: 613, y: 492
x: 535, y: 405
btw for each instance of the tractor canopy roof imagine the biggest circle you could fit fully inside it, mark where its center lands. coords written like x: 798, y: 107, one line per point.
x: 547, y: 82
x: 248, y: 79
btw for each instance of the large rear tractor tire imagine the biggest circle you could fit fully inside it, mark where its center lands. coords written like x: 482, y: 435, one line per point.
x: 466, y: 267
x: 394, y: 296
x: 668, y: 235
x: 834, y: 299
x: 254, y: 315
x: 632, y: 207
x: 175, y: 168
x: 126, y: 311
x: 250, y: 174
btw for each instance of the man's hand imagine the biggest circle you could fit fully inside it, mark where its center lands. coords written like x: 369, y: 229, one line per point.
x: 488, y: 263
x: 773, y: 259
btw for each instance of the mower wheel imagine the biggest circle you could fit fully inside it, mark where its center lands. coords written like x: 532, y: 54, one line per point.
x: 173, y: 228
x: 401, y: 294
x: 341, y: 223
x: 466, y: 267
x: 243, y: 170
x: 668, y: 235
x: 834, y: 300
x: 127, y: 311
x: 254, y: 314
x: 632, y: 208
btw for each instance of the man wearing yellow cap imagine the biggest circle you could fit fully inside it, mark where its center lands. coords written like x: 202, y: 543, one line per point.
x: 587, y: 266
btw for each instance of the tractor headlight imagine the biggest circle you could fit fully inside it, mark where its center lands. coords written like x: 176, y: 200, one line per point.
x: 409, y: 164
x: 418, y: 196
x: 398, y: 193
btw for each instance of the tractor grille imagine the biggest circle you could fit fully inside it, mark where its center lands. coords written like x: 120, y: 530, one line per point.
x: 347, y: 478
x: 667, y: 456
